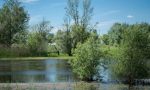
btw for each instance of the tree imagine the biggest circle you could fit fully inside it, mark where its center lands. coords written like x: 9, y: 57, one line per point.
x: 105, y: 39
x: 78, y: 35
x: 87, y: 13
x: 20, y: 37
x: 39, y: 37
x: 133, y: 54
x: 116, y: 33
x: 85, y: 64
x: 80, y: 28
x: 64, y: 43
x: 68, y: 39
x: 72, y: 10
x: 13, y: 19
x: 50, y: 38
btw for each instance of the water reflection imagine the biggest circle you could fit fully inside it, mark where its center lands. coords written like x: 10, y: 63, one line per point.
x: 36, y: 71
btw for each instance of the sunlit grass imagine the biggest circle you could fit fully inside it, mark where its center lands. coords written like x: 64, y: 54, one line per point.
x: 38, y: 58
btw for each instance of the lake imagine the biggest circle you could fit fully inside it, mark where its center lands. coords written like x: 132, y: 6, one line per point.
x: 45, y: 73
x: 31, y: 71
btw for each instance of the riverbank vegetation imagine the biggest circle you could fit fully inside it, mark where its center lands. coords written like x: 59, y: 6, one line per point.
x: 133, y: 51
x: 70, y: 86
x: 126, y: 47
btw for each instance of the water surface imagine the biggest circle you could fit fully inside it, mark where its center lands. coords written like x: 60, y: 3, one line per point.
x: 31, y: 71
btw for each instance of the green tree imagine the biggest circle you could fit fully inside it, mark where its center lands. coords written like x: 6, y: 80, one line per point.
x: 105, y: 39
x: 63, y: 42
x: 116, y: 33
x: 13, y: 19
x: 86, y: 59
x: 38, y: 39
x: 50, y: 38
x: 78, y: 35
x: 133, y: 54
x: 20, y: 37
x: 59, y: 39
x: 80, y: 29
x: 67, y: 37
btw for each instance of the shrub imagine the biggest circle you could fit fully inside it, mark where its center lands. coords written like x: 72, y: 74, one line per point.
x: 86, y: 59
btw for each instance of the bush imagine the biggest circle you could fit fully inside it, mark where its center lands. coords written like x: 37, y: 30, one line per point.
x: 86, y: 59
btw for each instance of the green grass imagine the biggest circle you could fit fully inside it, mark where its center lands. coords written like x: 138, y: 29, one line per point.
x: 38, y: 58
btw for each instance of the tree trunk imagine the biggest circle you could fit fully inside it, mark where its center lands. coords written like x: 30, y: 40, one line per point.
x: 70, y: 54
x: 130, y: 82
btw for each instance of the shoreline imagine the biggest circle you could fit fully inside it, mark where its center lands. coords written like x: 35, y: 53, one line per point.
x: 66, y: 86
x: 44, y: 86
x: 36, y: 58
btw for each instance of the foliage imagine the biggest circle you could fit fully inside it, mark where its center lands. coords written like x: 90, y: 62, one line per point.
x: 39, y: 37
x: 14, y: 25
x: 13, y: 29
x: 16, y: 50
x: 86, y: 59
x: 72, y: 34
x: 64, y: 39
x: 133, y: 54
x: 63, y: 42
x: 81, y: 23
x: 105, y: 39
x: 81, y: 30
x: 79, y: 35
x: 116, y: 33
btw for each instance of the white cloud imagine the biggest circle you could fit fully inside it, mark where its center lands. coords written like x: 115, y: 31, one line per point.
x: 130, y: 16
x: 28, y: 1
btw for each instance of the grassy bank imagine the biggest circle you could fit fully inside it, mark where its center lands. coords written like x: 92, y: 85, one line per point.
x: 37, y: 58
x: 68, y: 86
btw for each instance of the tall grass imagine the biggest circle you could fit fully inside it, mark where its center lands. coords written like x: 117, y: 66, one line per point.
x: 14, y: 51
x: 21, y: 50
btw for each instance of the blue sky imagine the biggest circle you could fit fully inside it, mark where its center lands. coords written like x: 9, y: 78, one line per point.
x: 106, y: 12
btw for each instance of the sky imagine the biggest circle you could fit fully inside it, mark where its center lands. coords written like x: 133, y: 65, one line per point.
x: 106, y: 12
